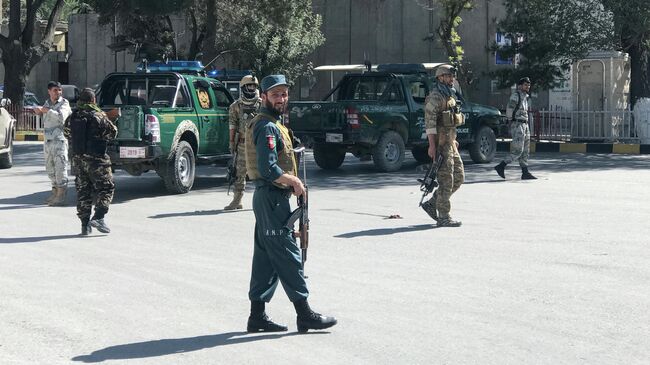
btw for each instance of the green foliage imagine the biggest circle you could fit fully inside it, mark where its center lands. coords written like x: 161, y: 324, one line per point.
x: 549, y: 35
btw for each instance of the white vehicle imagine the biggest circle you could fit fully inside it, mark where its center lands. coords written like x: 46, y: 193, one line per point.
x: 7, y: 135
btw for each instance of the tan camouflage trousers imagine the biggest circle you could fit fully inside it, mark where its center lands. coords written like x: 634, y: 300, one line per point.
x: 94, y: 182
x: 520, y: 145
x: 451, y: 173
x: 56, y: 162
x: 240, y: 182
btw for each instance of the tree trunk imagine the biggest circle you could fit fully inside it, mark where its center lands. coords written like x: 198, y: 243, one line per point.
x: 639, y: 88
x: 16, y: 71
x: 210, y: 41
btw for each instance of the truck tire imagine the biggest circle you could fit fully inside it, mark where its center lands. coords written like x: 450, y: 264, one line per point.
x: 7, y: 159
x: 328, y: 157
x: 179, y: 169
x: 420, y: 154
x: 388, y: 154
x: 484, y: 146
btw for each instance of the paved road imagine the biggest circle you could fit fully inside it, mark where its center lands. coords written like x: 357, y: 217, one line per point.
x: 553, y: 271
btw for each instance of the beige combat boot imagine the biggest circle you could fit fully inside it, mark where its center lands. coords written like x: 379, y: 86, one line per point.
x: 236, y: 202
x: 49, y: 198
x: 59, y: 197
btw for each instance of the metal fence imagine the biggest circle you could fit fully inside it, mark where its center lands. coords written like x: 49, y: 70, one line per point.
x: 26, y: 119
x: 584, y: 126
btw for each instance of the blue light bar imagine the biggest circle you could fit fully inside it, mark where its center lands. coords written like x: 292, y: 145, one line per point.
x: 172, y: 66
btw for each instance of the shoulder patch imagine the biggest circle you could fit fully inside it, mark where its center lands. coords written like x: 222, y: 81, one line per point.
x: 270, y: 141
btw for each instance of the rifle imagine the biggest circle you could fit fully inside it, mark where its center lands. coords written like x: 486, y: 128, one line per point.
x: 231, y: 174
x: 301, y: 214
x: 428, y: 184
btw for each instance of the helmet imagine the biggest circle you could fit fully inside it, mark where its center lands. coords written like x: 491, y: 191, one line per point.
x: 248, y: 87
x: 445, y: 70
x: 248, y: 79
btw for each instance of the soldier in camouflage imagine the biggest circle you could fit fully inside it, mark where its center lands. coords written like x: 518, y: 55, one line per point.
x: 88, y: 129
x: 442, y: 115
x: 240, y: 113
x: 54, y: 113
x: 517, y: 112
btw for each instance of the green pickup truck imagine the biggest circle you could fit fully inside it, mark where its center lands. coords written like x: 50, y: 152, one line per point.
x: 379, y: 114
x: 171, y: 118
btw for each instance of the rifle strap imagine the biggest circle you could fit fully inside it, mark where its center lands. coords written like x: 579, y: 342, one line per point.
x: 516, y: 109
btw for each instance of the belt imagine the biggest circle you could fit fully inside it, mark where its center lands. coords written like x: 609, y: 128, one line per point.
x: 520, y: 121
x: 242, y: 140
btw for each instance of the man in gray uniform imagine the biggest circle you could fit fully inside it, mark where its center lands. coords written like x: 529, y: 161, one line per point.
x: 517, y: 112
x: 54, y: 113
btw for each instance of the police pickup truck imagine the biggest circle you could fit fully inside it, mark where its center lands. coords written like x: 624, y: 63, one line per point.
x: 378, y: 114
x: 171, y: 118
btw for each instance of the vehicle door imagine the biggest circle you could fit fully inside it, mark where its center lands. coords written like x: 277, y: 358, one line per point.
x: 207, y: 115
x: 418, y: 89
x: 223, y: 101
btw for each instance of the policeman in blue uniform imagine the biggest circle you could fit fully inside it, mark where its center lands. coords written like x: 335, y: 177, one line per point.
x: 271, y: 165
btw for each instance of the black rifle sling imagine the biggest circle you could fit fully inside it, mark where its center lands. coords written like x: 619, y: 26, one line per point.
x: 514, y: 112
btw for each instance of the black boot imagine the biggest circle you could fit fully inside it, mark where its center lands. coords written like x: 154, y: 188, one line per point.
x: 501, y: 169
x: 525, y: 175
x: 86, y: 229
x: 100, y: 225
x: 308, y: 319
x: 258, y: 321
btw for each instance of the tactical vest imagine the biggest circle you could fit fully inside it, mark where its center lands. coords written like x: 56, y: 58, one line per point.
x: 84, y: 130
x: 246, y: 113
x: 286, y: 158
x: 451, y: 115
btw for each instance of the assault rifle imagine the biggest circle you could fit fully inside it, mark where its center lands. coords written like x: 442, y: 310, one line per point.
x: 231, y: 174
x: 301, y: 214
x: 429, y: 183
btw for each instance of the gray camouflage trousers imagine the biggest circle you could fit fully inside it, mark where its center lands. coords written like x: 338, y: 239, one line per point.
x: 56, y: 162
x: 451, y: 173
x: 240, y: 182
x: 520, y: 145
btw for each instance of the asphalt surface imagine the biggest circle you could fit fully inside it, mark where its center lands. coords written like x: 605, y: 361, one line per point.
x: 552, y: 271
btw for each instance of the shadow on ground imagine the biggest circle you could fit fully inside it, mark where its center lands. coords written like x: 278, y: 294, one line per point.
x: 164, y: 347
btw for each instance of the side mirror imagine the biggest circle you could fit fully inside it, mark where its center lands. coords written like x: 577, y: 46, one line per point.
x: 5, y: 103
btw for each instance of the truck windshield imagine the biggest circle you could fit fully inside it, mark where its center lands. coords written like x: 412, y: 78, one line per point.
x: 156, y: 91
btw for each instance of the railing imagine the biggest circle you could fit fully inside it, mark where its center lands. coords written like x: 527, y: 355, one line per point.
x: 26, y: 119
x: 584, y: 126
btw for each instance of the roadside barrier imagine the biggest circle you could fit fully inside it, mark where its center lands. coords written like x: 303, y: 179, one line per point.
x: 615, y: 126
x: 26, y: 119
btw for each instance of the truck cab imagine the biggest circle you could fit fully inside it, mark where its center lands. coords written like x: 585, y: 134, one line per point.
x: 171, y: 118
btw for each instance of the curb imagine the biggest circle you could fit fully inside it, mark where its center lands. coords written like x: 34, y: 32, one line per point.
x: 28, y: 136
x: 617, y: 148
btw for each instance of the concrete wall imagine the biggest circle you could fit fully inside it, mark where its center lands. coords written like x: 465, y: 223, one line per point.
x: 386, y: 31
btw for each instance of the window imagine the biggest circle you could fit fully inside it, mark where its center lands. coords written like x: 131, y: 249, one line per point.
x: 138, y: 91
x: 419, y: 91
x: 365, y: 88
x: 393, y: 93
x: 223, y: 101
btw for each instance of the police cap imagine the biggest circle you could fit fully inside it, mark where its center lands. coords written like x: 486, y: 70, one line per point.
x: 271, y: 81
x: 445, y: 70
x: 523, y: 80
x: 248, y: 79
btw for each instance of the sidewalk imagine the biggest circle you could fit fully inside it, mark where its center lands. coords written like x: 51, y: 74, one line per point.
x: 618, y: 148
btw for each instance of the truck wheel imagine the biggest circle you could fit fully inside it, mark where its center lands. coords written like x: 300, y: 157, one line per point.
x: 388, y: 154
x: 328, y: 157
x: 484, y: 146
x: 420, y: 154
x: 179, y: 169
x: 7, y: 159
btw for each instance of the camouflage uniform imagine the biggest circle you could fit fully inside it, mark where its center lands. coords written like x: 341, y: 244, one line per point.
x: 520, y: 145
x: 55, y: 147
x: 442, y: 122
x: 93, y: 167
x: 240, y: 113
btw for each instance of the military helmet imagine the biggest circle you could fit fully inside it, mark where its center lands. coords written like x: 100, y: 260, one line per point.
x: 248, y: 79
x: 445, y: 70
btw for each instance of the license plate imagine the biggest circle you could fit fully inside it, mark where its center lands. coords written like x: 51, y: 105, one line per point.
x: 333, y: 137
x: 133, y: 152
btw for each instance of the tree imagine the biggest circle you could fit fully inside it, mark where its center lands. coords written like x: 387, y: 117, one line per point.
x: 632, y: 29
x: 447, y: 32
x: 549, y: 35
x: 20, y: 50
